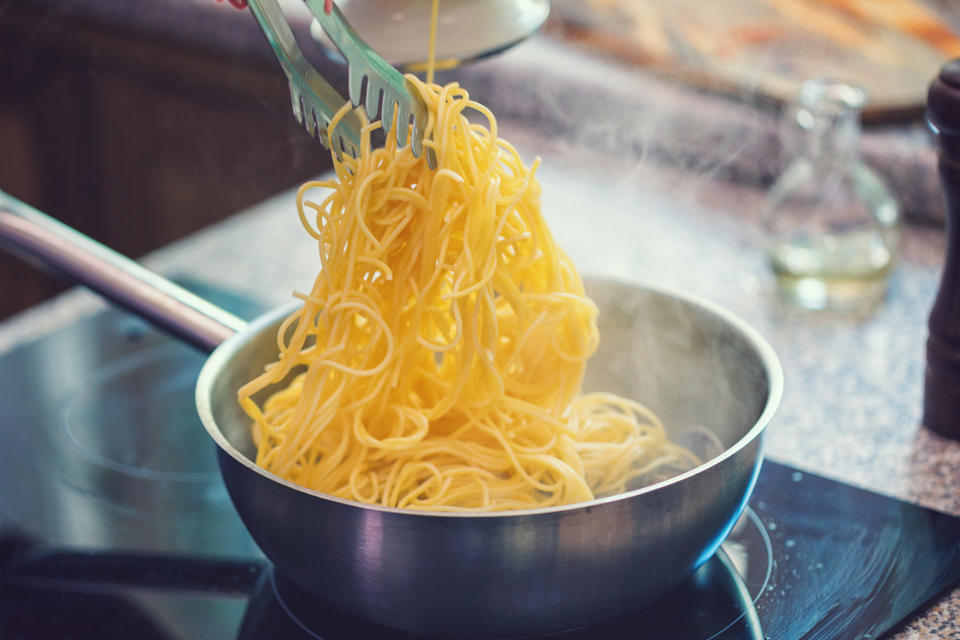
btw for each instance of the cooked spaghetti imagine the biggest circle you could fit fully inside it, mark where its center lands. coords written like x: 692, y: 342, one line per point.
x: 437, y: 361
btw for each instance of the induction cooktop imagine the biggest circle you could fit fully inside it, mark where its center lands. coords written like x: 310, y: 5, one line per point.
x: 114, y: 523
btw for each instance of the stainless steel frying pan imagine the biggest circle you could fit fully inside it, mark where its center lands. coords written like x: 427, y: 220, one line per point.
x: 496, y: 574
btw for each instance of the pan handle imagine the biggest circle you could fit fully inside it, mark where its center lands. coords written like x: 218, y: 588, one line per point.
x: 36, y: 236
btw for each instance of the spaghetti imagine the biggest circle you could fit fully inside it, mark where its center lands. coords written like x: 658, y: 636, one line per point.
x: 437, y: 360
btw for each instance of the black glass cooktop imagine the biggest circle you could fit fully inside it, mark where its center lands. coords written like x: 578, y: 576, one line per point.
x: 114, y: 524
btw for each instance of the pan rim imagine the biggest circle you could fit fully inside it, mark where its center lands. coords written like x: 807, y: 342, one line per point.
x: 765, y: 352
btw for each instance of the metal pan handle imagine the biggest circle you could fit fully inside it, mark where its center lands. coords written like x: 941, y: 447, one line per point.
x: 36, y: 236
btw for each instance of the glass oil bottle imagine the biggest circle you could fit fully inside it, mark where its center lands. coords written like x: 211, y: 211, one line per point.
x: 832, y: 226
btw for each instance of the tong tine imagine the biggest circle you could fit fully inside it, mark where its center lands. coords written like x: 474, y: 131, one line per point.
x: 374, y: 91
x: 314, y: 101
x: 387, y: 91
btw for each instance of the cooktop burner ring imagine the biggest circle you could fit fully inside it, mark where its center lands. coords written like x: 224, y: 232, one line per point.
x: 101, y: 422
x: 737, y: 550
x: 282, y: 601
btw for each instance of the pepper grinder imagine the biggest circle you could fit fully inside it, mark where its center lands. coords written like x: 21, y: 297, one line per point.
x: 941, y: 398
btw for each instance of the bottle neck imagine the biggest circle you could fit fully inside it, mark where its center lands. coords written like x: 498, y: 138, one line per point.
x: 829, y: 140
x: 824, y: 124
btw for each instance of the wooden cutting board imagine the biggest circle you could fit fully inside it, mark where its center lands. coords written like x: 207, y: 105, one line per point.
x: 767, y: 48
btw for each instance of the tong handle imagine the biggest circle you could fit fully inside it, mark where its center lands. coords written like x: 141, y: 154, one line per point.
x: 314, y: 100
x: 388, y: 92
x: 350, y: 44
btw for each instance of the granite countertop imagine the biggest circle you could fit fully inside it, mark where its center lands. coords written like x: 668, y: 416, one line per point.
x: 852, y: 403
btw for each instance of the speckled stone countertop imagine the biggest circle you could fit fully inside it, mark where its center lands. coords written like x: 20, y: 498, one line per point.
x: 852, y: 402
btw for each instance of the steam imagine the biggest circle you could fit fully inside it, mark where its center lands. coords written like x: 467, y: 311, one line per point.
x: 701, y: 376
x: 576, y: 101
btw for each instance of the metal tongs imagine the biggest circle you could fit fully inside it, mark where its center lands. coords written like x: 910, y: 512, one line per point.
x: 315, y: 102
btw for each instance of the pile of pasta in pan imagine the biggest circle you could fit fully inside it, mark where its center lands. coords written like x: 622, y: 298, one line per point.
x: 437, y: 361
